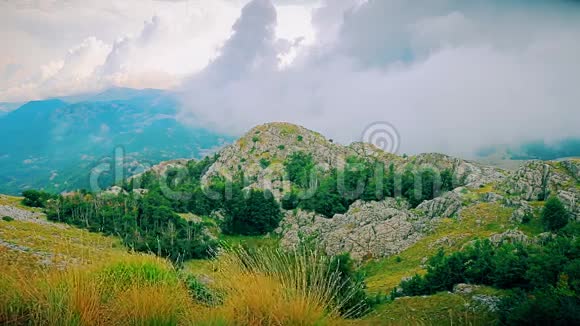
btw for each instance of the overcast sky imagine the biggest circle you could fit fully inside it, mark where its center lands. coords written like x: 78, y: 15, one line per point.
x: 449, y: 75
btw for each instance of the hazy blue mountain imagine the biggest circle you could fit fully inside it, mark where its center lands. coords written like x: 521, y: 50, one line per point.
x: 532, y: 150
x: 6, y: 107
x: 54, y: 144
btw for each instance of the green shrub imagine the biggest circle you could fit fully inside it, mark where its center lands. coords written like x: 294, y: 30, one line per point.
x: 35, y: 198
x: 7, y: 218
x: 554, y: 215
x: 253, y: 213
x: 200, y: 292
x: 544, y: 277
x: 550, y: 306
x: 264, y: 163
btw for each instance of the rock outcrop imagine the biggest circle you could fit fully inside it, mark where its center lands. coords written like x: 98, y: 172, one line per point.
x: 536, y: 180
x: 447, y: 205
x: 366, y: 230
x: 472, y: 174
x: 571, y: 201
x: 261, y: 154
x: 26, y: 216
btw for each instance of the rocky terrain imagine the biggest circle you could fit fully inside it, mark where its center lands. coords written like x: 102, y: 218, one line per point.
x: 388, y: 239
x: 378, y: 228
x: 366, y: 230
x: 385, y: 228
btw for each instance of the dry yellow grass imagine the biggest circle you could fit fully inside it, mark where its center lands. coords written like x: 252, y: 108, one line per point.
x: 122, y: 288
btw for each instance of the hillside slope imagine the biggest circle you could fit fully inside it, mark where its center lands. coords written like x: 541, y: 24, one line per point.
x: 390, y: 237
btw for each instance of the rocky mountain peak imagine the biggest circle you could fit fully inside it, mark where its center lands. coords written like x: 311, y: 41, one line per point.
x: 262, y: 151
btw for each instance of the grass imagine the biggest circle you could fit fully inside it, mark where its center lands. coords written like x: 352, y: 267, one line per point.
x: 130, y: 290
x: 16, y: 202
x: 34, y: 246
x: 135, y: 289
x: 249, y: 241
x: 438, y: 309
x: 100, y: 283
x: 477, y: 221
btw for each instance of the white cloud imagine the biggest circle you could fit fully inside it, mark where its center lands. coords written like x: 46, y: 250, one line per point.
x: 150, y: 43
x: 449, y: 76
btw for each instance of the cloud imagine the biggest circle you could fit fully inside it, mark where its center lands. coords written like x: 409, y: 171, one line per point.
x: 150, y: 43
x: 107, y: 43
x: 449, y: 75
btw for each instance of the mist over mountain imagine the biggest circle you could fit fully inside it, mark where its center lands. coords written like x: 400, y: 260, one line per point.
x: 534, y: 150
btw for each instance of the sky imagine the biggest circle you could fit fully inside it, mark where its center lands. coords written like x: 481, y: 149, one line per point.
x: 437, y: 75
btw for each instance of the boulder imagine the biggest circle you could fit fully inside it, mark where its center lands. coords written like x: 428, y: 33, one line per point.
x: 366, y: 230
x: 444, y: 206
x: 571, y: 201
x: 509, y: 236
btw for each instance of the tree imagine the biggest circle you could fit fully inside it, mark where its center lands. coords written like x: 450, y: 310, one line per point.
x: 446, y: 180
x: 254, y: 213
x: 35, y: 198
x: 299, y: 167
x: 554, y: 214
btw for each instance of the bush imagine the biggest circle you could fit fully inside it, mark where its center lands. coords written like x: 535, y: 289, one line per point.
x: 554, y: 214
x: 355, y: 302
x: 544, y: 277
x: 35, y: 198
x: 254, y: 213
x: 7, y: 218
x: 200, y: 292
x: 550, y: 306
x: 300, y: 167
x: 264, y: 163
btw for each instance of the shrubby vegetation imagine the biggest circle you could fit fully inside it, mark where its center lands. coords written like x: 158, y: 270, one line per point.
x: 544, y: 276
x: 554, y: 215
x: 143, y: 223
x: 332, y: 192
x: 147, y: 220
x: 245, y: 211
x: 35, y: 198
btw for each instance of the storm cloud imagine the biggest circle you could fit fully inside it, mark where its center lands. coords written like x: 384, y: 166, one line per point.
x: 449, y: 75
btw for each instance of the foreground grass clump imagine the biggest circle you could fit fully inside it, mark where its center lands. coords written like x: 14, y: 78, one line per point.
x: 261, y: 287
x: 271, y: 287
x: 134, y: 290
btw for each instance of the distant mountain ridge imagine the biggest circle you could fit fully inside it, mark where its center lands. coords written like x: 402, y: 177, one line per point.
x: 54, y: 144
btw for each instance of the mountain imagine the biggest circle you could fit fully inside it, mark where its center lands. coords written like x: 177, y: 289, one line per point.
x: 6, y: 107
x: 389, y: 226
x: 54, y: 144
x: 534, y: 150
x: 451, y: 240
